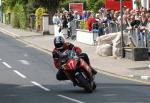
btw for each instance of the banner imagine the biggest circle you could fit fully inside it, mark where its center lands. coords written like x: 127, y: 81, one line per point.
x: 76, y: 7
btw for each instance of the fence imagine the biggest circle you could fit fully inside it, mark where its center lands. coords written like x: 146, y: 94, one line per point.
x: 108, y: 27
x: 140, y: 38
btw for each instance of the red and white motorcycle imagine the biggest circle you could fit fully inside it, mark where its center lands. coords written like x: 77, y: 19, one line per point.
x: 77, y: 70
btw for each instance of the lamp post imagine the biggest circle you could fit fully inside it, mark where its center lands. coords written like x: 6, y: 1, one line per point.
x: 121, y: 13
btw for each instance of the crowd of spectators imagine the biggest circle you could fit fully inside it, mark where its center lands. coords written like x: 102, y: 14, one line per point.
x: 105, y: 21
x: 67, y: 20
x: 139, y: 18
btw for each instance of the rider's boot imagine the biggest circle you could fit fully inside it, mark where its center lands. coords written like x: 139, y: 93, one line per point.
x: 94, y: 71
x: 74, y: 84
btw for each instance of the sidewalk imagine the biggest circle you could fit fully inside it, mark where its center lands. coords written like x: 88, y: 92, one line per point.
x: 123, y: 67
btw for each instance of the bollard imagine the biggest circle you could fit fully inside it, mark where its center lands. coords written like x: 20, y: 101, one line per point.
x: 136, y: 53
x: 45, y: 26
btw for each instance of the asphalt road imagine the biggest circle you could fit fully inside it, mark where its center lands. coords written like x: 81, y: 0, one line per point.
x: 27, y: 75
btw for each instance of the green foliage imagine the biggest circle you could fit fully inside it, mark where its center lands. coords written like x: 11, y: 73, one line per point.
x: 65, y: 5
x: 19, y: 17
x: 38, y: 13
x: 94, y: 5
x: 98, y: 5
x: 29, y: 7
x: 7, y: 18
x: 12, y: 3
x: 84, y: 4
x: 15, y: 18
x: 91, y: 3
x: 22, y: 17
x: 138, y: 3
x: 84, y: 25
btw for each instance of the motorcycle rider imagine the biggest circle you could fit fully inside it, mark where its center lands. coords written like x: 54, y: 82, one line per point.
x: 61, y: 46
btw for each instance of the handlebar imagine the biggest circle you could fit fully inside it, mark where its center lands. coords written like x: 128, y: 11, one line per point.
x: 68, y: 54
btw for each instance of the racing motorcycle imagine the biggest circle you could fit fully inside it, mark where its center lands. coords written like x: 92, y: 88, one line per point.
x: 77, y: 70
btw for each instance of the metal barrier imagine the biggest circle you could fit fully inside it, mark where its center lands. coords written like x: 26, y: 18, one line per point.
x: 140, y: 38
x: 148, y: 40
x: 95, y: 35
x: 111, y: 27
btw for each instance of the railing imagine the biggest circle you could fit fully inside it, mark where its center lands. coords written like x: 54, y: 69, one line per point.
x: 140, y: 38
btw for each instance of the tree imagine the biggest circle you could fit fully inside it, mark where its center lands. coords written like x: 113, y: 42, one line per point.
x: 91, y: 3
x: 30, y: 6
x: 94, y: 5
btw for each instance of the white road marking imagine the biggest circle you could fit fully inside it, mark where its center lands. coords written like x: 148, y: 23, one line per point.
x: 20, y: 74
x: 39, y: 85
x: 71, y: 99
x: 131, y: 76
x: 27, y: 46
x: 25, y: 55
x: 145, y: 77
x: 24, y: 62
x: 6, y: 64
x: 9, y: 33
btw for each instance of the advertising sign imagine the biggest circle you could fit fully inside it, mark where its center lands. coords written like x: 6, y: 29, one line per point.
x: 76, y: 7
x: 115, y: 4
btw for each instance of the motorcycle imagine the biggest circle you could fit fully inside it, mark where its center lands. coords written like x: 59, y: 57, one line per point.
x: 77, y: 70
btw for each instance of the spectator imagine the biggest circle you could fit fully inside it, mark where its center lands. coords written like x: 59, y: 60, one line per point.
x: 84, y: 15
x: 63, y: 23
x: 142, y: 27
x: 91, y: 20
x: 56, y: 19
x: 134, y: 23
x: 143, y: 21
x: 77, y: 18
x: 88, y: 14
x: 148, y: 27
x: 148, y: 23
x: 98, y: 25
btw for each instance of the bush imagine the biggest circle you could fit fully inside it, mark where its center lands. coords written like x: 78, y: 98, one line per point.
x: 38, y: 13
x: 83, y: 25
x: 22, y: 18
x: 91, y: 4
x: 15, y: 18
x: 95, y: 5
x: 98, y: 5
x: 19, y: 17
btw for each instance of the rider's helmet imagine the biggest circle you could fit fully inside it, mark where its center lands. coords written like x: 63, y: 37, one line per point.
x: 59, y: 42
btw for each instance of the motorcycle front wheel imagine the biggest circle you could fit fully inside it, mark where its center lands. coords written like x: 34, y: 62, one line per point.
x: 88, y: 85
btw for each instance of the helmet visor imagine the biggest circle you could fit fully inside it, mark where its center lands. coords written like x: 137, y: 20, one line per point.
x: 59, y: 45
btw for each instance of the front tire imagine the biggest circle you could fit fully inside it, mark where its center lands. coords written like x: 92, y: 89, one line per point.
x: 88, y: 85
